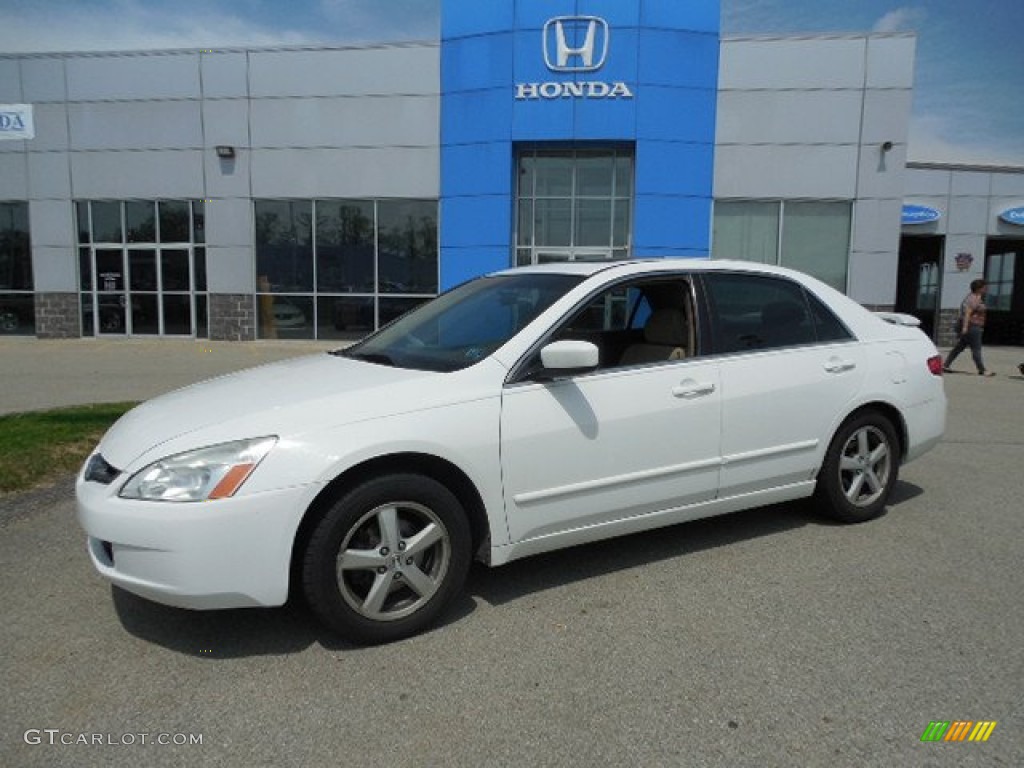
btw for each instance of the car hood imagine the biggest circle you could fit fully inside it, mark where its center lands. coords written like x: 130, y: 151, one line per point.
x: 285, y: 398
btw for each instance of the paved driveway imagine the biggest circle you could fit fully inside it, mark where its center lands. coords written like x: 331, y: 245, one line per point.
x: 767, y: 638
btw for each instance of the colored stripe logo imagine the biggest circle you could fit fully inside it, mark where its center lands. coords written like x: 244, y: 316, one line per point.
x: 958, y: 730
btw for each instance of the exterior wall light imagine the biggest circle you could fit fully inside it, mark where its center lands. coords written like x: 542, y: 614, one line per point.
x: 887, y: 146
x: 225, y: 152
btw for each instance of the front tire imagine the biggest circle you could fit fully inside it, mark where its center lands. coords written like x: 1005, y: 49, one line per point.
x: 387, y: 558
x: 860, y: 469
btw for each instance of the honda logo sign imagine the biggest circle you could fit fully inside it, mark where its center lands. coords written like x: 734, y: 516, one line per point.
x: 575, y: 43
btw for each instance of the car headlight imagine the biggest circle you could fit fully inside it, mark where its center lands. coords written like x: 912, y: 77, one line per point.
x: 202, y: 475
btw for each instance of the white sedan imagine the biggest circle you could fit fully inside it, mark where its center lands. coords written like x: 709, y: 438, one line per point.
x: 521, y: 412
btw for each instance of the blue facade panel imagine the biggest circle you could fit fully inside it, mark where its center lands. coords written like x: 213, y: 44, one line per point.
x: 673, y: 168
x: 667, y: 226
x: 463, y: 263
x: 463, y: 164
x: 484, y: 61
x: 512, y: 72
x: 484, y: 220
x: 472, y: 117
x: 675, y: 114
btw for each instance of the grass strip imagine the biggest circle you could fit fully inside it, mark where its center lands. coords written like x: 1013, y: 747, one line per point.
x: 41, y: 446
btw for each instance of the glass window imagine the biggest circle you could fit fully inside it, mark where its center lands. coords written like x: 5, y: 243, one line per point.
x: 286, y: 317
x: 15, y: 253
x: 349, y: 317
x: 827, y: 327
x: 145, y: 314
x: 816, y: 240
x: 595, y: 175
x: 463, y: 326
x: 17, y: 313
x: 106, y: 222
x: 175, y: 221
x: 174, y: 270
x: 333, y: 251
x: 202, y: 316
x: 552, y: 223
x: 999, y: 274
x: 553, y: 173
x: 648, y: 321
x: 85, y: 269
x: 750, y: 312
x: 344, y: 246
x: 815, y: 235
x: 82, y: 219
x: 199, y: 268
x: 407, y: 246
x: 198, y: 221
x: 140, y: 222
x: 748, y: 231
x: 177, y: 314
x: 143, y: 288
x: 593, y: 222
x: 574, y: 204
x: 142, y: 269
x: 284, y: 248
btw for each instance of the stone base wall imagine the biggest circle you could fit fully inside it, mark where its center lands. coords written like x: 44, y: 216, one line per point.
x: 58, y: 316
x: 232, y: 317
x: 945, y: 336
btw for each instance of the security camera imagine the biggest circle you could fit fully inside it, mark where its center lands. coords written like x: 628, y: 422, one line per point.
x: 886, y: 146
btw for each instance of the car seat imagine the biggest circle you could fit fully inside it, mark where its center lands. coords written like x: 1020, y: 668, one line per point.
x: 665, y: 338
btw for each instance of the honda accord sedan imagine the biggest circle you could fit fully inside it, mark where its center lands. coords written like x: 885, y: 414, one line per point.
x: 522, y: 412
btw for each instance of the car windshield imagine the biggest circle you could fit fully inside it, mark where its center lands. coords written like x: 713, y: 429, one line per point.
x: 465, y: 325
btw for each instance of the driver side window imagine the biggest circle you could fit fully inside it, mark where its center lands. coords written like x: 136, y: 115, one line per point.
x: 639, y: 323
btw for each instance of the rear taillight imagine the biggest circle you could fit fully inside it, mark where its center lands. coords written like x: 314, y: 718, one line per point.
x: 935, y: 365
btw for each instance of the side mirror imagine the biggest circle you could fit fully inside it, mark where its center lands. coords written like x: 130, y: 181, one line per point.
x: 568, y: 357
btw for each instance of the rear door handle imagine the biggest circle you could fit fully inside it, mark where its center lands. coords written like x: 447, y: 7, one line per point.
x: 840, y: 366
x: 690, y: 389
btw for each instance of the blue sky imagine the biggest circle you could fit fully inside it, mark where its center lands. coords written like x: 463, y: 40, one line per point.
x: 969, y: 93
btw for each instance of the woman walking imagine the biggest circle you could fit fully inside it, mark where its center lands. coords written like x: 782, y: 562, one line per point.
x: 971, y: 326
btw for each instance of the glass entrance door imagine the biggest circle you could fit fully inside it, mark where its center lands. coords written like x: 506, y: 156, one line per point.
x: 919, y: 278
x: 574, y: 205
x: 110, y: 302
x: 142, y: 267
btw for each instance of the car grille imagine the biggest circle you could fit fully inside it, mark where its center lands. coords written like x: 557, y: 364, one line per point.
x: 99, y: 471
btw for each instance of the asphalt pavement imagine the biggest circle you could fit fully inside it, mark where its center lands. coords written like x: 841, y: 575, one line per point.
x: 767, y: 638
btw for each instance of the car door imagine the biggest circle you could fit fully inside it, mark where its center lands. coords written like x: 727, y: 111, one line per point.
x: 620, y: 441
x: 789, y: 368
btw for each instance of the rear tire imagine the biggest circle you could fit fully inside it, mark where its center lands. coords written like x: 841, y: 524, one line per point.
x: 860, y: 469
x: 387, y: 558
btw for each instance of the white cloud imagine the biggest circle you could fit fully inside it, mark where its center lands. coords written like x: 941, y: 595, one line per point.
x: 930, y: 142
x: 129, y: 25
x: 903, y: 19
x: 388, y: 20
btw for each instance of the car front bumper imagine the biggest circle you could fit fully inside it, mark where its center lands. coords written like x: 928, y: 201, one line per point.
x: 229, y: 553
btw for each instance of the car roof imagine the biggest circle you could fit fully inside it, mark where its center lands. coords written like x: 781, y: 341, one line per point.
x: 642, y: 265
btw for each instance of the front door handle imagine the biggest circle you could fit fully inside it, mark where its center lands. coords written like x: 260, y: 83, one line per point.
x: 839, y: 366
x: 690, y: 389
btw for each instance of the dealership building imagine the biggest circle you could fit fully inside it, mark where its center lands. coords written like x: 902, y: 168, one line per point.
x: 320, y: 191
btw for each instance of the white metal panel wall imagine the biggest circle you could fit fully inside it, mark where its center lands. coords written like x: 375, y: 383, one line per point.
x: 353, y: 122
x: 970, y: 201
x: 806, y: 118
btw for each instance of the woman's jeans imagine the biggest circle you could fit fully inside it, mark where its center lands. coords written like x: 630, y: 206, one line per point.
x: 970, y: 339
